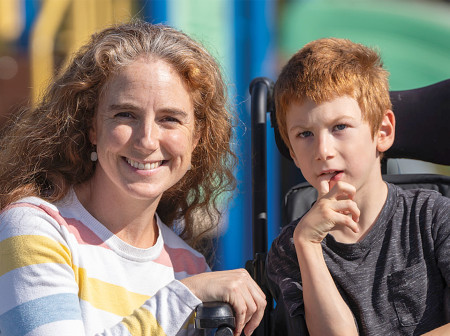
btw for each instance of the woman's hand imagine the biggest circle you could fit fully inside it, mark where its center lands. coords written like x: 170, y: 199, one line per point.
x: 235, y: 287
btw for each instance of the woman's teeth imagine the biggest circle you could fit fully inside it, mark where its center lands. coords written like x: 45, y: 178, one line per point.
x: 143, y: 166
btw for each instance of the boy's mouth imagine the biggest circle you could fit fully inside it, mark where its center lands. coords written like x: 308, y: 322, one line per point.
x: 332, y: 175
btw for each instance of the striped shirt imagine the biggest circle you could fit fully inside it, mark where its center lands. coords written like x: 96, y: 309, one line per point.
x: 63, y: 273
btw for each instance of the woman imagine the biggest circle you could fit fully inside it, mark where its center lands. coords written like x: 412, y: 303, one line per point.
x: 134, y: 133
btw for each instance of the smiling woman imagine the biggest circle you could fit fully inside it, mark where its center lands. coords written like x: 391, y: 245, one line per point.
x: 130, y: 140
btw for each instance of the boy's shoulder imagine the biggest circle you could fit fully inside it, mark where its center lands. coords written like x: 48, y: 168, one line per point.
x: 418, y: 195
x: 428, y: 209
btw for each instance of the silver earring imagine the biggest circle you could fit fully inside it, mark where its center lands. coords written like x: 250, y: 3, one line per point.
x: 94, y: 156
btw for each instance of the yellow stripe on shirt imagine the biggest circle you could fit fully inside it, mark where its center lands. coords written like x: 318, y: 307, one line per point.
x: 26, y: 250
x: 108, y: 297
x: 143, y: 323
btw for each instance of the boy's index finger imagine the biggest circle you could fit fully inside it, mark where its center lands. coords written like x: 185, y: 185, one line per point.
x: 324, y: 188
x: 336, y: 189
x: 344, y: 190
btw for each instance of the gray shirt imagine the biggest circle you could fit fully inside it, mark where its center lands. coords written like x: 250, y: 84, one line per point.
x: 395, y: 281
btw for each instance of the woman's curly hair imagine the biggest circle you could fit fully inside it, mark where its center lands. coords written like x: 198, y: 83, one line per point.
x: 45, y: 150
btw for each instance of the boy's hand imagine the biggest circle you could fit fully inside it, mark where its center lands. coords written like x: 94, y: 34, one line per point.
x: 334, y: 207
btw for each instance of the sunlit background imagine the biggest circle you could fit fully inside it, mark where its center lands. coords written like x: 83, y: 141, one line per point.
x: 249, y: 38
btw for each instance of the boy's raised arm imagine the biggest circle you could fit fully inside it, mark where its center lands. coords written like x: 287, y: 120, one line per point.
x: 326, y: 313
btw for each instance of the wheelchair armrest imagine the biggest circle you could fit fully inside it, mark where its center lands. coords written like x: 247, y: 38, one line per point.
x: 212, y: 315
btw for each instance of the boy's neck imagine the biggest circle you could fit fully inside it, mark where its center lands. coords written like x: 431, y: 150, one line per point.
x: 370, y: 202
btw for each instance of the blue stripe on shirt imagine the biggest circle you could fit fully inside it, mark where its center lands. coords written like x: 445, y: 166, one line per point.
x: 32, y: 314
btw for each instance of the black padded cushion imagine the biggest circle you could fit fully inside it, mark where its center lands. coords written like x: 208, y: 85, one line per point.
x: 422, y: 123
x: 300, y: 198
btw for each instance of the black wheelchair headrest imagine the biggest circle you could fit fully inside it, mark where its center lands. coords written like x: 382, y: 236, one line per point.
x: 422, y: 124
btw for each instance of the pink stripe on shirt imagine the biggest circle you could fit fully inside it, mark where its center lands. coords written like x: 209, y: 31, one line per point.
x: 181, y: 260
x: 82, y: 233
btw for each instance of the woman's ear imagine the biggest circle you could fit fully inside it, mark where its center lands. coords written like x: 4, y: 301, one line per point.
x: 93, y: 133
x: 386, y: 133
x: 195, y: 140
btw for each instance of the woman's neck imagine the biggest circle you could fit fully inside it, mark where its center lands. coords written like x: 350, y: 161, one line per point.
x: 131, y: 220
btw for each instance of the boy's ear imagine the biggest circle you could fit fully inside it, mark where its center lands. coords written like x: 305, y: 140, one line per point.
x: 294, y: 158
x: 386, y: 133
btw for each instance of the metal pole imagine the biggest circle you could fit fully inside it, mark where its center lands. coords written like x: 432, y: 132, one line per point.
x: 260, y: 91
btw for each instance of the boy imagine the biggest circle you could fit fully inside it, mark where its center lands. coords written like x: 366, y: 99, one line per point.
x: 368, y: 258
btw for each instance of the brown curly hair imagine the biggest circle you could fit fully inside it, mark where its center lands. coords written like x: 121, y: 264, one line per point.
x: 45, y: 150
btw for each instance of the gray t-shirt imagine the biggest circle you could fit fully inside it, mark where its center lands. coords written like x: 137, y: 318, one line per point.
x: 396, y: 280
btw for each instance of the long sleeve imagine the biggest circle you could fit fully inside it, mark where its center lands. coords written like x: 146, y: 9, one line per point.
x: 61, y: 277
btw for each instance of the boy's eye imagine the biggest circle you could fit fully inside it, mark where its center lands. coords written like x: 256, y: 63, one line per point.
x: 305, y: 134
x: 340, y: 127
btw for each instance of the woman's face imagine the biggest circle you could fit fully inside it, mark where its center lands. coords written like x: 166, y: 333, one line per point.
x: 143, y: 130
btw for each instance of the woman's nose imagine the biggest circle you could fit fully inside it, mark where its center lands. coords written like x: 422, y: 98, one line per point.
x: 148, y: 136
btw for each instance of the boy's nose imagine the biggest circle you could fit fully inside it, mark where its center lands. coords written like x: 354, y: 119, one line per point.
x: 324, y: 147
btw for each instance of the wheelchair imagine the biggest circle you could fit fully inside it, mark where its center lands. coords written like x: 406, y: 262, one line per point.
x: 422, y: 133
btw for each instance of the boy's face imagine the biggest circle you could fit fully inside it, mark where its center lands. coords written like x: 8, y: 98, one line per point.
x: 331, y: 142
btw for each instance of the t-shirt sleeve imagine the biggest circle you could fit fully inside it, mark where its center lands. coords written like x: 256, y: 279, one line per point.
x: 283, y: 272
x: 441, y: 235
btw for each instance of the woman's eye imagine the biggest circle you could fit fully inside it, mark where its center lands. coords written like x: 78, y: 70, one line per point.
x: 170, y: 119
x: 124, y: 115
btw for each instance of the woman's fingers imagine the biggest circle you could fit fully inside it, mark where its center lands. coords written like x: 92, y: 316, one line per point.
x: 255, y: 302
x: 249, y: 305
x: 256, y: 314
x: 235, y: 287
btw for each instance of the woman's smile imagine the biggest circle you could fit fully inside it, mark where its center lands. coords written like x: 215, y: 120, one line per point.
x: 144, y: 166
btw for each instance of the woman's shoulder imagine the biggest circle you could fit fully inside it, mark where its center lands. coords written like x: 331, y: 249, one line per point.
x: 182, y: 256
x: 27, y: 207
x: 32, y: 216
